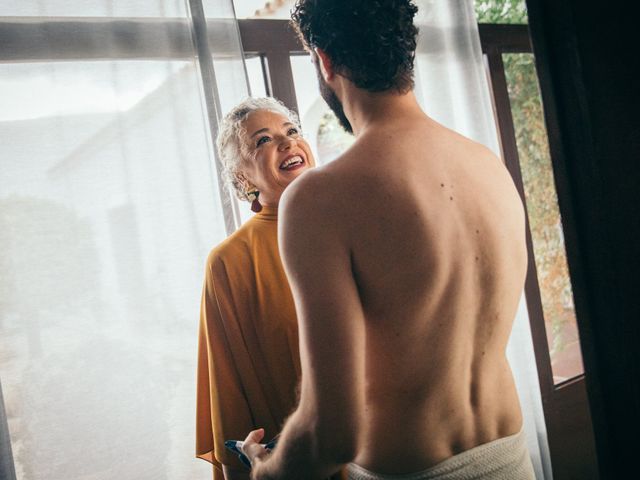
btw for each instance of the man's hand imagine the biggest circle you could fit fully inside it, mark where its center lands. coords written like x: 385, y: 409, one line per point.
x: 252, y: 447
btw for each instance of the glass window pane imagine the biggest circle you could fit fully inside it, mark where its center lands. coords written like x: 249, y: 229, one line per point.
x: 255, y: 73
x: 487, y: 11
x: 544, y: 217
x: 94, y: 8
x: 320, y: 126
x: 501, y: 11
x: 263, y: 9
x: 108, y: 209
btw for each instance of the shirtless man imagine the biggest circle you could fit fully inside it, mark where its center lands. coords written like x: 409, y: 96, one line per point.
x: 407, y: 260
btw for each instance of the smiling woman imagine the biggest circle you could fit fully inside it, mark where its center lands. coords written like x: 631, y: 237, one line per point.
x: 248, y: 360
x: 262, y: 150
x: 278, y: 154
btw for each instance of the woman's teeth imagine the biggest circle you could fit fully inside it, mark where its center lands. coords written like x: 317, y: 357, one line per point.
x: 291, y: 162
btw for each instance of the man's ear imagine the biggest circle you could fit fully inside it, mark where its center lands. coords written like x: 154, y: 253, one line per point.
x: 326, y: 65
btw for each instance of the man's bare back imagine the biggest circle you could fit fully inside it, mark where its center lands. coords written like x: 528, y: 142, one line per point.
x: 436, y: 232
x: 406, y: 258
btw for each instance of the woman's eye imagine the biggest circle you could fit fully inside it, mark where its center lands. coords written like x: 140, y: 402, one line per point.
x: 293, y: 131
x: 262, y: 140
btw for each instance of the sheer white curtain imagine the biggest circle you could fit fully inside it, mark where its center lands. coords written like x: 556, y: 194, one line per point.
x: 109, y: 204
x: 452, y: 87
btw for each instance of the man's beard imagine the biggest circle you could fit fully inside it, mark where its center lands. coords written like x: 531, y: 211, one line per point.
x: 333, y: 101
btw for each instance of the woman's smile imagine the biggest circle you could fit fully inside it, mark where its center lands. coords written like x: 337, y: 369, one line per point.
x: 292, y: 162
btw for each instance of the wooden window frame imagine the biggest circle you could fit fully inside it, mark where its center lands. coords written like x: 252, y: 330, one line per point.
x: 566, y: 406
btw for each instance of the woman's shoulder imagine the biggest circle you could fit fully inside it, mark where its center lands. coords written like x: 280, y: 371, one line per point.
x: 236, y: 248
x: 230, y: 247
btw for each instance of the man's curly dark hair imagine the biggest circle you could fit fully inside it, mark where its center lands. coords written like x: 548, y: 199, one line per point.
x: 371, y: 42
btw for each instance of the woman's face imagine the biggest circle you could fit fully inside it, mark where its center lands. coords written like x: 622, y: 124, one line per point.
x: 278, y: 154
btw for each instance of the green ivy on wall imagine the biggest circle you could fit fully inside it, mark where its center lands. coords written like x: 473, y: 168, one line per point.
x: 501, y: 11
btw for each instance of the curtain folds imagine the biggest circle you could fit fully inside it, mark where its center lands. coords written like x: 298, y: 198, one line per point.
x: 109, y: 204
x: 452, y: 86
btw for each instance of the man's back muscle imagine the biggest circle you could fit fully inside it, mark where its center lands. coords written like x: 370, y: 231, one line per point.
x: 436, y: 233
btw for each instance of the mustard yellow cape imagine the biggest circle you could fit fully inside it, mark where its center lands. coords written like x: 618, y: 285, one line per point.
x: 248, y: 357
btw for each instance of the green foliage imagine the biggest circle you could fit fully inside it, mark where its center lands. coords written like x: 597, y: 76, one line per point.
x: 542, y: 202
x: 501, y: 11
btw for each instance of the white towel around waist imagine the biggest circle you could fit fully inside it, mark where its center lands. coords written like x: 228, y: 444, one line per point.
x: 504, y: 459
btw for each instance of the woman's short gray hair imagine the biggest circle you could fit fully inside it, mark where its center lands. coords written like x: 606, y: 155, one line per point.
x: 231, y: 142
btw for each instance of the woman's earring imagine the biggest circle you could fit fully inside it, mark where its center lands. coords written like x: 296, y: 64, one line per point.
x: 255, y: 204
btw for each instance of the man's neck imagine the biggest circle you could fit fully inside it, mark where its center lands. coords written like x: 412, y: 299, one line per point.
x: 366, y: 109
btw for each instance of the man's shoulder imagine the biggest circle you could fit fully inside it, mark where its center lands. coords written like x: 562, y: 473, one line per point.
x: 314, y: 190
x: 315, y: 206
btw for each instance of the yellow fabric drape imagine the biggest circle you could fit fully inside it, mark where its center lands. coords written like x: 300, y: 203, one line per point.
x: 248, y: 357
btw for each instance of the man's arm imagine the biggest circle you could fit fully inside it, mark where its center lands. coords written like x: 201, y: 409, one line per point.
x: 321, y: 435
x: 231, y: 473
